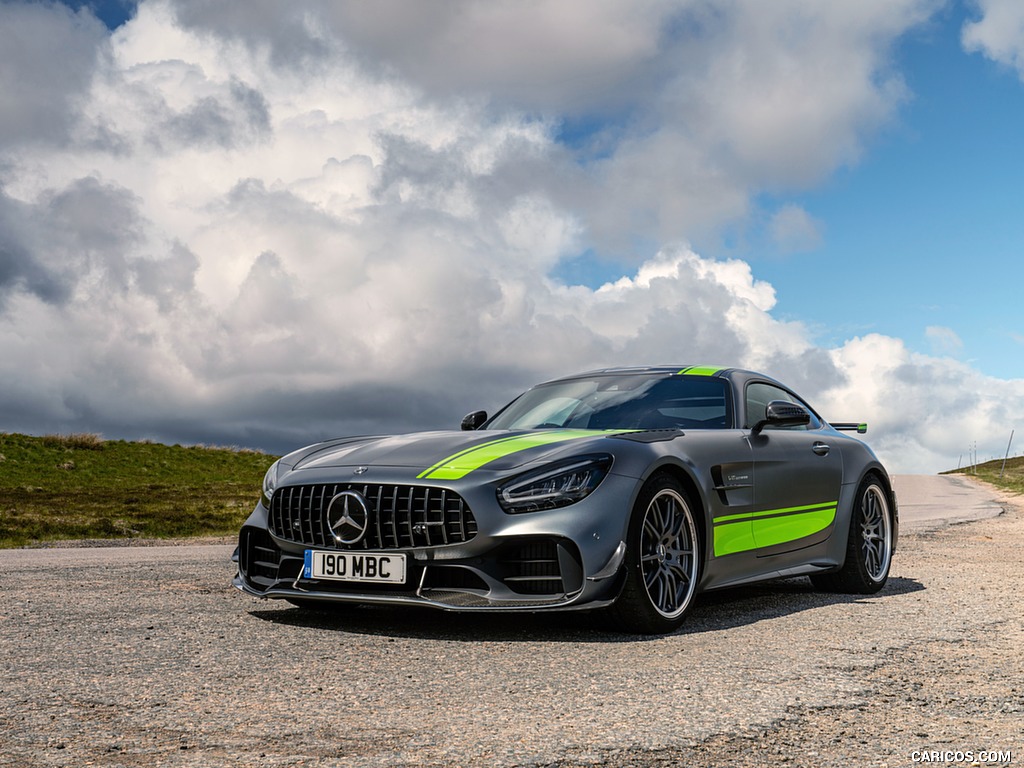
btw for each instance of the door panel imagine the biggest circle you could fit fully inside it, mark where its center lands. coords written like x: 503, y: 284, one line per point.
x: 733, y: 530
x: 797, y: 478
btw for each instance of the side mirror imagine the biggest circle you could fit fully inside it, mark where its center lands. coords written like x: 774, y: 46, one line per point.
x: 782, y: 413
x: 473, y: 420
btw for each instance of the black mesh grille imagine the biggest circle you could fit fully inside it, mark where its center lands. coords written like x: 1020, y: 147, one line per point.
x: 401, y: 516
x: 531, y: 568
x: 258, y: 557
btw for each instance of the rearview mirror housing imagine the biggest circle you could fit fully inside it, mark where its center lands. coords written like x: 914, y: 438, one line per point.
x: 782, y: 413
x: 473, y: 420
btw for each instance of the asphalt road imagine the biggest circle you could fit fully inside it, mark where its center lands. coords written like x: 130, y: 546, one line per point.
x: 928, y: 502
x: 145, y: 656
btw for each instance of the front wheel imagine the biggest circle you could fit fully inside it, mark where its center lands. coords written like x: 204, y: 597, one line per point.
x: 868, y: 547
x: 662, y: 560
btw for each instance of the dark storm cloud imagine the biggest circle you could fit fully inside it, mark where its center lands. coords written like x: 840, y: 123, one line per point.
x: 92, y: 216
x: 287, y: 29
x: 254, y: 107
x: 168, y: 279
x: 20, y: 267
x: 560, y: 56
x: 48, y: 54
x: 240, y: 116
x: 266, y: 223
x: 48, y: 247
x: 19, y: 271
x: 279, y: 421
x: 573, y: 57
x: 89, y: 228
x: 205, y: 122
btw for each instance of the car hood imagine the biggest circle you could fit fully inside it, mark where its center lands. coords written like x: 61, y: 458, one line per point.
x: 448, y: 455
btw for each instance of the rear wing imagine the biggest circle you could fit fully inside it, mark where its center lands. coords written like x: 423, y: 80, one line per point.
x: 849, y: 426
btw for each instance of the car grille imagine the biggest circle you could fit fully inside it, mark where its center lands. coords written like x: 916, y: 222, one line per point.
x: 401, y: 516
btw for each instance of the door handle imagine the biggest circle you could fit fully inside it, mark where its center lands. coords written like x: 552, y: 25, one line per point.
x: 821, y: 449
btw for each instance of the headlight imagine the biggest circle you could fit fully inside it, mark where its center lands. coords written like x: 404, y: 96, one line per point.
x: 557, y: 485
x: 269, y: 484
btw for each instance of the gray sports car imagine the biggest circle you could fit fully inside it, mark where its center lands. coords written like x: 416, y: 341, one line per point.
x: 628, y: 490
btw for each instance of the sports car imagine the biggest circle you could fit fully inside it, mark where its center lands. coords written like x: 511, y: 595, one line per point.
x: 626, y: 490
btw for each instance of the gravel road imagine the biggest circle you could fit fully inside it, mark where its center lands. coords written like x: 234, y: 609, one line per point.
x: 144, y: 656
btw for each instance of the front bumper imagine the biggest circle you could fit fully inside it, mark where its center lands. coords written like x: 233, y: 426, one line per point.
x: 564, y: 559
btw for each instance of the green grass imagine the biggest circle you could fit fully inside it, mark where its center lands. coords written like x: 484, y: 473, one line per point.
x: 1012, y: 477
x: 82, y: 487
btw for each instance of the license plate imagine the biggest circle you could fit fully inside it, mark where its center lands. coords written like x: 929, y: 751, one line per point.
x: 372, y: 567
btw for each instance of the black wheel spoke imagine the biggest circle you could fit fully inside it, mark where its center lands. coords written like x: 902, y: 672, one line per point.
x: 667, y: 561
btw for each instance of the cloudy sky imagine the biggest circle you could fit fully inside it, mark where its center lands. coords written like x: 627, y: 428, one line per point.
x: 262, y: 224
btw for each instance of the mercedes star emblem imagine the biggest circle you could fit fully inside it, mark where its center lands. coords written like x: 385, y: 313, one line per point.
x: 348, y: 517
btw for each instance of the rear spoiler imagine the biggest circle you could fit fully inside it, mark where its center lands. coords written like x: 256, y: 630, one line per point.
x: 849, y: 426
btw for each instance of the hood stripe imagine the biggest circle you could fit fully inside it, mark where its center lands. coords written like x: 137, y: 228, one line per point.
x: 700, y: 370
x: 460, y: 464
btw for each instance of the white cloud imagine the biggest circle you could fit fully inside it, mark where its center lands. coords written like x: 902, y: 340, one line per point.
x: 944, y: 340
x: 703, y: 103
x: 795, y: 230
x: 999, y: 33
x: 921, y: 411
x: 254, y: 229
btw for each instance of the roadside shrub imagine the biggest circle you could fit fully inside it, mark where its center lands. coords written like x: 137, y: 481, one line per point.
x: 81, y: 441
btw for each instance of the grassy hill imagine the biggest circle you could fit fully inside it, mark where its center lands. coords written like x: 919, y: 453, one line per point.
x: 1012, y: 478
x: 83, y: 487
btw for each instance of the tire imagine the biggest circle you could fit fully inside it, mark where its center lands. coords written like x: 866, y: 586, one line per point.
x: 869, y: 544
x: 663, y: 560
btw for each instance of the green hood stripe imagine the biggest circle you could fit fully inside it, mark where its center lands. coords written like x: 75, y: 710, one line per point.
x: 700, y: 370
x: 492, y: 445
x: 460, y: 464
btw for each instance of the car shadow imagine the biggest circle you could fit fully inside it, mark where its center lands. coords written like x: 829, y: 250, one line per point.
x: 712, y: 611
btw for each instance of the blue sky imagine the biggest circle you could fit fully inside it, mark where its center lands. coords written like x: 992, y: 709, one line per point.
x: 264, y: 224
x: 924, y: 230
x: 933, y: 214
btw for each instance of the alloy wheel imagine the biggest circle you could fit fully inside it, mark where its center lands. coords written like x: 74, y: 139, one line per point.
x: 668, y: 558
x: 876, y: 532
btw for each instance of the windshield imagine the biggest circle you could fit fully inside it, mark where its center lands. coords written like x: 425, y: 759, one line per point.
x: 654, y: 401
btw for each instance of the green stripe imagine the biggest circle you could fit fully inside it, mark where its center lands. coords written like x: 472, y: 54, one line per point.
x: 700, y: 370
x: 733, y: 538
x: 460, y: 454
x: 766, y: 528
x: 773, y: 512
x: 460, y: 464
x: 777, y: 530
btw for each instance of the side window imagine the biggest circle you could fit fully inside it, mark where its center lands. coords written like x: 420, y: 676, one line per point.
x: 759, y: 394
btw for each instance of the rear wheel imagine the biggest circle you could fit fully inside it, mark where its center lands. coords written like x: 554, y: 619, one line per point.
x: 662, y: 560
x: 868, y: 547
